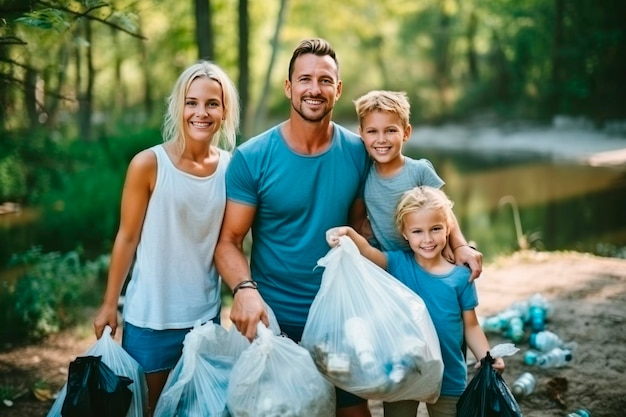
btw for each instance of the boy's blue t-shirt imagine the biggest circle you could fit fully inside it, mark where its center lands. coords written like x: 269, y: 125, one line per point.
x: 297, y: 199
x: 382, y: 195
x: 446, y: 297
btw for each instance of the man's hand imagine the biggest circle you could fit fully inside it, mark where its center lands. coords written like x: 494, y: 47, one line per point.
x: 247, y: 310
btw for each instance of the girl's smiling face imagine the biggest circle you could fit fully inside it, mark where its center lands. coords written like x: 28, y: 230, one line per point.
x: 427, y: 231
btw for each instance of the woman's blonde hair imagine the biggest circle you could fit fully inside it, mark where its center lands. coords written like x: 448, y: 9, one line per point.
x: 421, y: 198
x: 173, y: 124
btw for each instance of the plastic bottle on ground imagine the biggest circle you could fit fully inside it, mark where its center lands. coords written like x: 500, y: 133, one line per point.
x: 537, y: 318
x: 538, y: 311
x: 556, y: 358
x: 546, y: 340
x: 515, y: 331
x: 530, y: 357
x: 500, y: 322
x: 524, y: 385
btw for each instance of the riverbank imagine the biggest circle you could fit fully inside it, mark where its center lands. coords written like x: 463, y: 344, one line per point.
x: 588, y: 294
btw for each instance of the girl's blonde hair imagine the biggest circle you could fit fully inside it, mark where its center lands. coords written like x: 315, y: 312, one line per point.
x: 173, y: 124
x: 421, y: 198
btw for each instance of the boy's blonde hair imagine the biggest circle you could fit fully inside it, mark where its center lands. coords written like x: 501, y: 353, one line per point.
x: 421, y: 198
x: 396, y: 102
x: 173, y: 123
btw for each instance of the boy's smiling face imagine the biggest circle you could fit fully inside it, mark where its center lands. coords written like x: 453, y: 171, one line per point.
x: 384, y: 134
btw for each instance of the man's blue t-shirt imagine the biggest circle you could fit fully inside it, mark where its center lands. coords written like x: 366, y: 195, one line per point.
x: 297, y: 198
x: 446, y: 297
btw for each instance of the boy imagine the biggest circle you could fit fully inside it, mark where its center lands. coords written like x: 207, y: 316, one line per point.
x: 384, y: 127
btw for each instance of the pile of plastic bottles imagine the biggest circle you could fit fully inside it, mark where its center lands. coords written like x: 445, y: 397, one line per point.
x: 547, y: 348
x: 511, y: 322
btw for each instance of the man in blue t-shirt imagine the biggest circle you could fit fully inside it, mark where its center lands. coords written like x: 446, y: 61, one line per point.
x: 288, y: 186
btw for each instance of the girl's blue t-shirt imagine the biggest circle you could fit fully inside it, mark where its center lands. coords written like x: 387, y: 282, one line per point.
x: 446, y: 297
x: 297, y: 199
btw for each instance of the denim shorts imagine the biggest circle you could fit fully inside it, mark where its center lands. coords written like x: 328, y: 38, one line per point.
x: 154, y: 350
x: 344, y: 398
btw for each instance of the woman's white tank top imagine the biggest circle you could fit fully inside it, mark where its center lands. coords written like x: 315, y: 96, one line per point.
x: 174, y: 282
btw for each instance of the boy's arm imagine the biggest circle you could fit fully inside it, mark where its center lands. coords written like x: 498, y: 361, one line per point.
x: 358, y: 219
x: 367, y: 250
x: 462, y: 253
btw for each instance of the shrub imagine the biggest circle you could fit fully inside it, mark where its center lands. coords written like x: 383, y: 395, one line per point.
x: 51, y: 294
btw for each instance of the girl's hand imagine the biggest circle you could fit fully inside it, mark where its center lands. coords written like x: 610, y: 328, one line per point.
x: 498, y: 365
x: 333, y: 235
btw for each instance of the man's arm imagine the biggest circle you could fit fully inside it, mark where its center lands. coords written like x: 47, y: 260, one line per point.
x: 231, y: 262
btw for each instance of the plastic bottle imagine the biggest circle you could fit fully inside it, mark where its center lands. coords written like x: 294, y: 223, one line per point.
x: 537, y: 318
x: 582, y: 412
x: 524, y: 385
x: 491, y: 324
x: 522, y: 308
x: 359, y: 336
x: 530, y: 357
x: 500, y: 322
x: 515, y: 331
x: 546, y: 340
x: 556, y: 358
x: 538, y: 309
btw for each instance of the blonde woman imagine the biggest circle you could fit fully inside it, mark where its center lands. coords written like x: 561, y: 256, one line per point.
x: 172, y: 209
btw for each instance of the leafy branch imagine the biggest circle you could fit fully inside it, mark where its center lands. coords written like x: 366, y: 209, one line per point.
x: 52, y: 17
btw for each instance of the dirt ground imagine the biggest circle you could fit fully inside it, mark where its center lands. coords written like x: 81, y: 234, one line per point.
x: 588, y: 295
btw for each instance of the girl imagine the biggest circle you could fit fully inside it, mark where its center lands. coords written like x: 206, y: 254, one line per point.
x: 171, y: 212
x: 423, y: 218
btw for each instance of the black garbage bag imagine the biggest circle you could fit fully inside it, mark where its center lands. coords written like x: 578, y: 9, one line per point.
x: 487, y: 395
x: 93, y: 390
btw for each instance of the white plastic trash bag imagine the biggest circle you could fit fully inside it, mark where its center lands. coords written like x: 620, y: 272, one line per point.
x: 370, y: 334
x: 197, y: 384
x: 121, y: 363
x: 275, y: 377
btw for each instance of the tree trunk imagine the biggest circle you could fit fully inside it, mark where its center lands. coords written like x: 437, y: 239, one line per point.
x: 85, y: 102
x: 54, y: 89
x: 30, y: 97
x: 501, y: 77
x: 118, y: 99
x: 244, y: 72
x: 472, y: 61
x: 554, y: 96
x: 204, y: 29
x: 261, y: 110
x: 146, y: 72
x: 442, y: 60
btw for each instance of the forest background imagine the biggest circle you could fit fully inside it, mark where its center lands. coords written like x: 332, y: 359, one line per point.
x: 83, y: 87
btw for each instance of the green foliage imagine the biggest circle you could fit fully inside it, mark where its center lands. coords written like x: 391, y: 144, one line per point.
x: 30, y: 168
x: 125, y: 20
x: 45, y: 19
x: 51, y: 293
x: 12, y: 178
x: 84, y: 209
